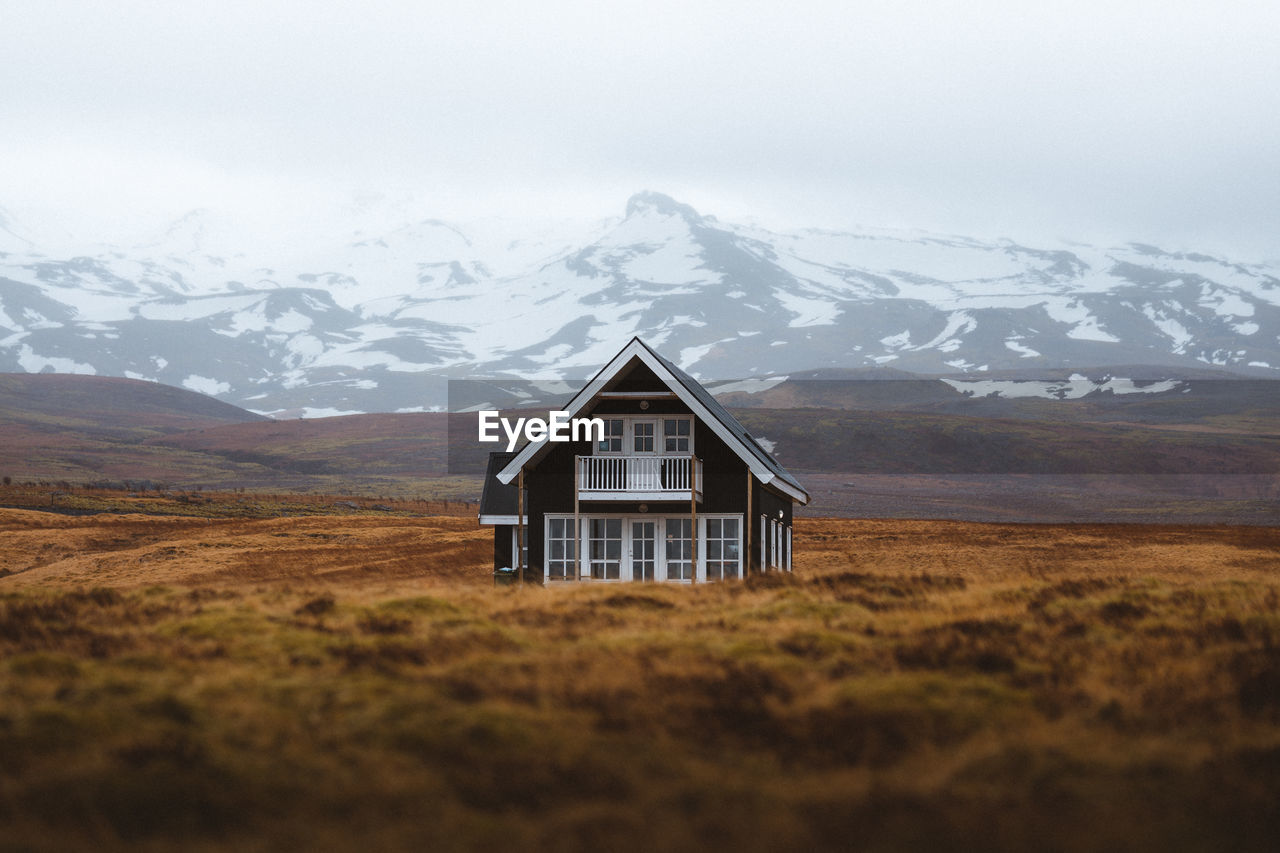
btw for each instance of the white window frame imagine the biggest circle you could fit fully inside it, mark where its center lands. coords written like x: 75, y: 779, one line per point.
x: 764, y: 542
x: 773, y: 543
x: 788, y: 552
x: 704, y: 553
x: 666, y: 563
x: 571, y: 563
x: 516, y: 549
x: 625, y: 573
x: 654, y: 437
x: 622, y: 437
x: 663, y: 434
x: 597, y: 567
x: 659, y: 435
x: 628, y: 533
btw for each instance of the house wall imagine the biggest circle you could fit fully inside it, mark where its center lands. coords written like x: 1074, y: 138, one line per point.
x: 502, y: 555
x: 768, y: 503
x: 550, y: 486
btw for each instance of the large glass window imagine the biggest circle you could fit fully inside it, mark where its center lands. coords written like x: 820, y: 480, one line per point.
x: 677, y: 435
x: 724, y: 549
x: 562, y: 549
x: 605, y: 548
x: 612, y: 442
x: 679, y: 549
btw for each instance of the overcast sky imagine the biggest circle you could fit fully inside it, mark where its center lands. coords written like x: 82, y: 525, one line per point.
x: 1110, y: 121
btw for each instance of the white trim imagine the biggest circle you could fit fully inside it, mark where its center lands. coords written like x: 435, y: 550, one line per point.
x: 515, y: 555
x: 643, y: 497
x: 638, y: 395
x: 787, y: 558
x: 501, y: 519
x: 773, y: 543
x: 660, y: 538
x: 608, y: 436
x: 764, y: 543
x: 635, y: 349
x: 653, y: 421
x: 575, y: 564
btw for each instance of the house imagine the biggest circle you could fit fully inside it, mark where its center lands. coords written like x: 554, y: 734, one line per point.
x: 625, y: 506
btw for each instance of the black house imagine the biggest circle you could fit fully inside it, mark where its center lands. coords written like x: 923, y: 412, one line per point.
x: 672, y: 461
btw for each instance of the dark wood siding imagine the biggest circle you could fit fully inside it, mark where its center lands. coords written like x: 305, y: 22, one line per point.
x: 769, y: 504
x: 502, y: 555
x: 550, y: 486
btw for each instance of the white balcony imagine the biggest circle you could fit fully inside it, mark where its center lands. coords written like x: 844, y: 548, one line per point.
x: 639, y: 478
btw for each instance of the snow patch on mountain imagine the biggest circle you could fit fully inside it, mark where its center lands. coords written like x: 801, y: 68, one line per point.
x: 367, y: 311
x: 1072, y: 389
x: 205, y: 385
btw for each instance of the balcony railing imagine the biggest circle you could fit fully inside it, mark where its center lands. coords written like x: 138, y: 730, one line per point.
x: 639, y: 478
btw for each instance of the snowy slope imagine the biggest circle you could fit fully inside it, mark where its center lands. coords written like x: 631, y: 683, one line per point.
x: 373, y: 313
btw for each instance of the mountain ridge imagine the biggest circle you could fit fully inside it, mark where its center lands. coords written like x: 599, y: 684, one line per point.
x: 380, y: 319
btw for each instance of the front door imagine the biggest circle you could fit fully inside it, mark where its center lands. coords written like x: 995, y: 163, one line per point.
x: 644, y: 542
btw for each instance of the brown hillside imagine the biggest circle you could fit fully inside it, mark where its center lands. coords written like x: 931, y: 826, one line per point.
x: 109, y: 405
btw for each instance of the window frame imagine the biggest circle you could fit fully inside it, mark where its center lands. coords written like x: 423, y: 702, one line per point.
x: 635, y: 436
x: 610, y: 437
x: 661, y: 552
x: 605, y: 561
x: 676, y: 436
x: 515, y: 554
x: 627, y: 446
x: 569, y: 569
x: 722, y: 541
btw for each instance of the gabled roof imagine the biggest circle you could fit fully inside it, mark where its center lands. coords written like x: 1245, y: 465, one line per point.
x: 763, y: 466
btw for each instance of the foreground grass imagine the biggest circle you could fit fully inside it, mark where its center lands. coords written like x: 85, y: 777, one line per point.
x: 877, y: 699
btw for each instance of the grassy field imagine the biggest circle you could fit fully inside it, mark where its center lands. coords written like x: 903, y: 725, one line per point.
x: 354, y: 681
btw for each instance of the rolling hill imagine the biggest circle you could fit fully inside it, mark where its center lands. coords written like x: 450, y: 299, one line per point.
x: 943, y: 455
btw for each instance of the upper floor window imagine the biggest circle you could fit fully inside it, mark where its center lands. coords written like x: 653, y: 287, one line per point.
x: 677, y: 434
x: 612, y: 442
x: 630, y: 435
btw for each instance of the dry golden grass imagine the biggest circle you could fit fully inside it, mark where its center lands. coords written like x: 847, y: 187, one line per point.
x: 328, y: 683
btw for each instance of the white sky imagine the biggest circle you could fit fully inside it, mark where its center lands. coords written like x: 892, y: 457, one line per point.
x: 1102, y: 121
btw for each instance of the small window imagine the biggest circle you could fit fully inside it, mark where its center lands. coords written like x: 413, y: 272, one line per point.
x: 612, y: 442
x: 676, y: 434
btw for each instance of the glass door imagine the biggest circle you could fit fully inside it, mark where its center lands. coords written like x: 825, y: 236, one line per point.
x: 644, y: 542
x: 604, y: 549
x: 642, y: 467
x: 678, y: 549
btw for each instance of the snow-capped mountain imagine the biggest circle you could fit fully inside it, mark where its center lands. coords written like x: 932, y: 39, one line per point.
x: 377, y: 315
